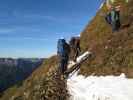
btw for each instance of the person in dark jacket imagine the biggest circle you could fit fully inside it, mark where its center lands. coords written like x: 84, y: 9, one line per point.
x: 63, y: 54
x: 113, y: 18
x: 75, y: 48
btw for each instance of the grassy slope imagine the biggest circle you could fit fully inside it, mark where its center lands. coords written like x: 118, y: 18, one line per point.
x: 113, y: 51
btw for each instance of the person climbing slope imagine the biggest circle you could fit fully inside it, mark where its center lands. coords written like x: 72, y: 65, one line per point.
x: 113, y: 15
x: 63, y: 51
x: 115, y: 18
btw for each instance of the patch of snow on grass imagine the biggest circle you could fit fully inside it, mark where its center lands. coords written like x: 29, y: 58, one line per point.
x: 100, y: 88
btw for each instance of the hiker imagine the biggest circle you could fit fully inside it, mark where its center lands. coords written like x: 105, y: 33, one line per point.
x: 63, y: 54
x: 75, y: 48
x: 113, y: 18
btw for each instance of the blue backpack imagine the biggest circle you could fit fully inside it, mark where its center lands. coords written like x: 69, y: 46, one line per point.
x: 108, y: 18
x: 61, y: 47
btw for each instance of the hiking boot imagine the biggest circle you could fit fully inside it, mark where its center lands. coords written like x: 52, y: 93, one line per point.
x: 62, y: 77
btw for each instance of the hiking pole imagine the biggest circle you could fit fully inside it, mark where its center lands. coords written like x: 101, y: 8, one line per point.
x: 74, y: 71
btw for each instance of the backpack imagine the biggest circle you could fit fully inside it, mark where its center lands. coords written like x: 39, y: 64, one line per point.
x: 108, y: 18
x: 114, y: 15
x: 67, y: 49
x: 61, y: 46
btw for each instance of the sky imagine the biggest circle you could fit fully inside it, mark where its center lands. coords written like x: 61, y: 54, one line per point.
x: 31, y: 28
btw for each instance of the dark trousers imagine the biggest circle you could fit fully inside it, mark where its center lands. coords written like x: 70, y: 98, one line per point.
x: 115, y: 25
x: 77, y: 52
x: 63, y: 64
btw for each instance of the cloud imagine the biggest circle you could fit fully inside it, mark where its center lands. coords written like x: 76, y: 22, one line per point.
x: 42, y: 16
x: 34, y: 38
x: 6, y: 30
x: 24, y: 38
x: 33, y: 15
x: 17, y: 29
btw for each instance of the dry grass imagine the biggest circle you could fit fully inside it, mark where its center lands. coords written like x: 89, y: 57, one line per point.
x: 113, y: 51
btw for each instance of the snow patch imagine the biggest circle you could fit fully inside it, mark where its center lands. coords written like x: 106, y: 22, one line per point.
x: 100, y: 88
x: 83, y: 56
x: 101, y: 5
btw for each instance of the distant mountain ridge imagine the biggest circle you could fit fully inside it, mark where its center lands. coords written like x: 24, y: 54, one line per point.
x: 15, y: 61
x: 16, y: 70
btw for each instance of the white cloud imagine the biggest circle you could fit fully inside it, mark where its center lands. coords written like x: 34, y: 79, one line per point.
x: 33, y: 16
x: 24, y: 38
x: 6, y: 30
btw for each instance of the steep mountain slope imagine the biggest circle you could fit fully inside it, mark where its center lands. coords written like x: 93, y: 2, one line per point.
x: 112, y: 54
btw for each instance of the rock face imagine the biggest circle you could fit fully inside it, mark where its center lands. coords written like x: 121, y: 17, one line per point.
x: 112, y: 54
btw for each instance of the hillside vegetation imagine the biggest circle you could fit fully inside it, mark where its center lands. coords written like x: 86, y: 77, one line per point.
x: 112, y: 54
